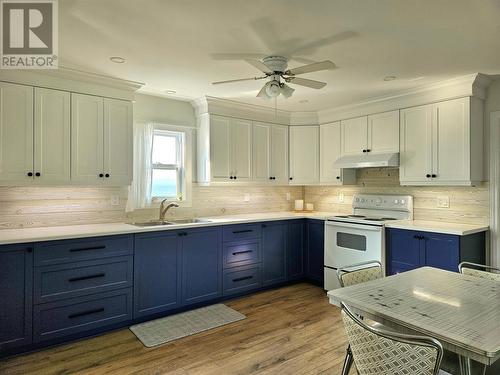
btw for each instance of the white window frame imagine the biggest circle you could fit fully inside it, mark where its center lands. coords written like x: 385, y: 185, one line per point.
x: 183, y: 166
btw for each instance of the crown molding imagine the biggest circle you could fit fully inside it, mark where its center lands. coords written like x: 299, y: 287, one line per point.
x: 304, y: 118
x: 74, y: 80
x: 470, y: 85
x: 231, y: 108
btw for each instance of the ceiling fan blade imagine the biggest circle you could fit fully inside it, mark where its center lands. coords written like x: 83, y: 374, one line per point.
x: 238, y: 80
x: 306, y: 82
x: 262, y: 93
x: 286, y: 90
x: 259, y: 65
x: 314, y: 67
x: 309, y: 48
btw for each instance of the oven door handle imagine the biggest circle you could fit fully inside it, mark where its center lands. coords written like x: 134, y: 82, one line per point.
x: 373, y: 228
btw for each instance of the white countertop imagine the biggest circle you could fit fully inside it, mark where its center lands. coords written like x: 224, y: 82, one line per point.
x: 438, y: 227
x: 11, y: 236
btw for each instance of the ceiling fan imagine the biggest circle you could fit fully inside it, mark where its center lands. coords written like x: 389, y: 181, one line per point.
x: 275, y: 69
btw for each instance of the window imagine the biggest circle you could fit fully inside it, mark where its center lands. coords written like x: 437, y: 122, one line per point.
x: 168, y: 174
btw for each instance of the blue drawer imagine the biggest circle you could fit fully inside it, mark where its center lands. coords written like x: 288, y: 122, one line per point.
x: 66, y: 251
x: 69, y: 280
x: 241, y: 253
x: 77, y: 315
x: 242, y: 279
x: 241, y: 232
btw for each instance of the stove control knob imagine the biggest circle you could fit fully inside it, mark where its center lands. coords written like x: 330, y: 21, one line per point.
x: 402, y: 201
x: 378, y: 201
x: 362, y: 200
x: 396, y: 201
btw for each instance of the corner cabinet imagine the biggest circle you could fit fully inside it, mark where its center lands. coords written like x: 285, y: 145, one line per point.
x: 442, y: 143
x: 101, y: 140
x: 329, y: 147
x: 378, y: 133
x: 304, y: 155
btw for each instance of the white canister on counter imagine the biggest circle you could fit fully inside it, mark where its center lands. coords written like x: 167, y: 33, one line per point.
x: 299, y: 205
x: 309, y: 207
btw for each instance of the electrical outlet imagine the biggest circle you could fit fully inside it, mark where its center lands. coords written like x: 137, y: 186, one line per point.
x: 288, y: 196
x: 115, y: 200
x: 247, y: 197
x: 443, y: 201
x: 341, y: 197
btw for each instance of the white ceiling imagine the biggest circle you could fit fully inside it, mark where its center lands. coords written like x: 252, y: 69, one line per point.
x: 178, y: 45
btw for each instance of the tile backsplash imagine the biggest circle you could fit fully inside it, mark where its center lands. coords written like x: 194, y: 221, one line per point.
x: 467, y: 204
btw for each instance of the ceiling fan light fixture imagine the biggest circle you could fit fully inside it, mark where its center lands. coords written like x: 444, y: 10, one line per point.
x: 273, y: 89
x: 286, y: 90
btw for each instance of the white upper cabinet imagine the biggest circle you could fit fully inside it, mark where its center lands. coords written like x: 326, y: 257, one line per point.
x: 329, y: 147
x: 117, y: 142
x: 442, y: 143
x: 224, y: 150
x: 52, y: 136
x: 378, y: 133
x: 270, y: 153
x: 101, y: 140
x: 304, y: 155
x: 87, y: 133
x: 16, y: 132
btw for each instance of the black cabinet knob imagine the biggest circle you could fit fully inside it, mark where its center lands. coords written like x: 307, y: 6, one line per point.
x: 338, y: 177
x: 264, y: 226
x: 364, y: 150
x: 30, y: 174
x: 291, y: 178
x: 274, y: 178
x: 428, y: 175
x: 368, y: 150
x: 235, y: 177
x: 270, y: 178
x: 37, y: 174
x: 29, y: 249
x: 106, y: 175
x: 101, y: 175
x: 434, y: 176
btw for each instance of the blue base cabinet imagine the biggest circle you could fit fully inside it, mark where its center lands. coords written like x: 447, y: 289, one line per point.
x: 16, y: 293
x: 201, y: 264
x: 315, y: 255
x: 157, y: 277
x: 407, y: 250
x: 296, y: 249
x: 274, y: 252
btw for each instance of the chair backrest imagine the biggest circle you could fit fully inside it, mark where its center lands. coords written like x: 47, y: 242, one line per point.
x: 378, y: 352
x: 360, y: 273
x: 479, y: 270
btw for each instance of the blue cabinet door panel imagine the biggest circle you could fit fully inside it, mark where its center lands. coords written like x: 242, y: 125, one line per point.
x: 157, y: 282
x: 404, y: 251
x: 315, y: 260
x: 296, y: 245
x: 274, y: 254
x: 201, y: 264
x: 442, y: 251
x: 241, y: 232
x: 242, y: 279
x: 241, y: 253
x: 16, y: 291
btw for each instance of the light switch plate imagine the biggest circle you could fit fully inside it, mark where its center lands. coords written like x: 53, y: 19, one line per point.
x: 247, y: 197
x: 443, y: 201
x: 115, y: 200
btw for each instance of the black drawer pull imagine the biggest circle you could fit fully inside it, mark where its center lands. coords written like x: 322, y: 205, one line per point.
x: 83, y: 313
x: 243, y: 231
x: 243, y: 278
x: 88, y: 248
x: 242, y: 252
x: 87, y: 277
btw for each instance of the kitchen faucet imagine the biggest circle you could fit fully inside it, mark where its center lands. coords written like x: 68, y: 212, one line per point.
x: 163, y: 209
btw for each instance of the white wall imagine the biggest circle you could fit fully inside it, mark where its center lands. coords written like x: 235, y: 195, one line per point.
x: 491, y: 104
x: 163, y: 110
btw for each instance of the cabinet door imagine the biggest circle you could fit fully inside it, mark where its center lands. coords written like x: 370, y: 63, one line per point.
x: 404, y: 251
x: 220, y: 148
x: 329, y: 137
x: 157, y: 277
x: 118, y: 147
x: 261, y: 152
x: 315, y: 260
x: 201, y: 265
x: 52, y: 136
x: 416, y: 141
x: 16, y: 132
x: 354, y: 135
x: 274, y: 242
x: 442, y: 251
x: 383, y: 132
x: 16, y: 294
x: 304, y: 155
x: 296, y: 246
x: 86, y: 138
x: 451, y: 141
x: 241, y: 142
x: 279, y: 154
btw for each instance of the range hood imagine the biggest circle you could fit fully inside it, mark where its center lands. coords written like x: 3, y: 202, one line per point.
x: 368, y: 161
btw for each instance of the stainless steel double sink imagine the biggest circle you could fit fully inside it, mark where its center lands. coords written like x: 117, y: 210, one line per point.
x: 155, y: 223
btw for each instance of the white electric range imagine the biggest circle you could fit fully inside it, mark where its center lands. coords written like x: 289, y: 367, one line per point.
x: 360, y: 237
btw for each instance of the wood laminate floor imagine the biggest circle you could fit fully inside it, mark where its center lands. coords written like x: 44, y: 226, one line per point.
x: 291, y: 330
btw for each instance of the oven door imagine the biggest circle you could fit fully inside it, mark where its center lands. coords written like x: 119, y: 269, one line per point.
x: 349, y: 243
